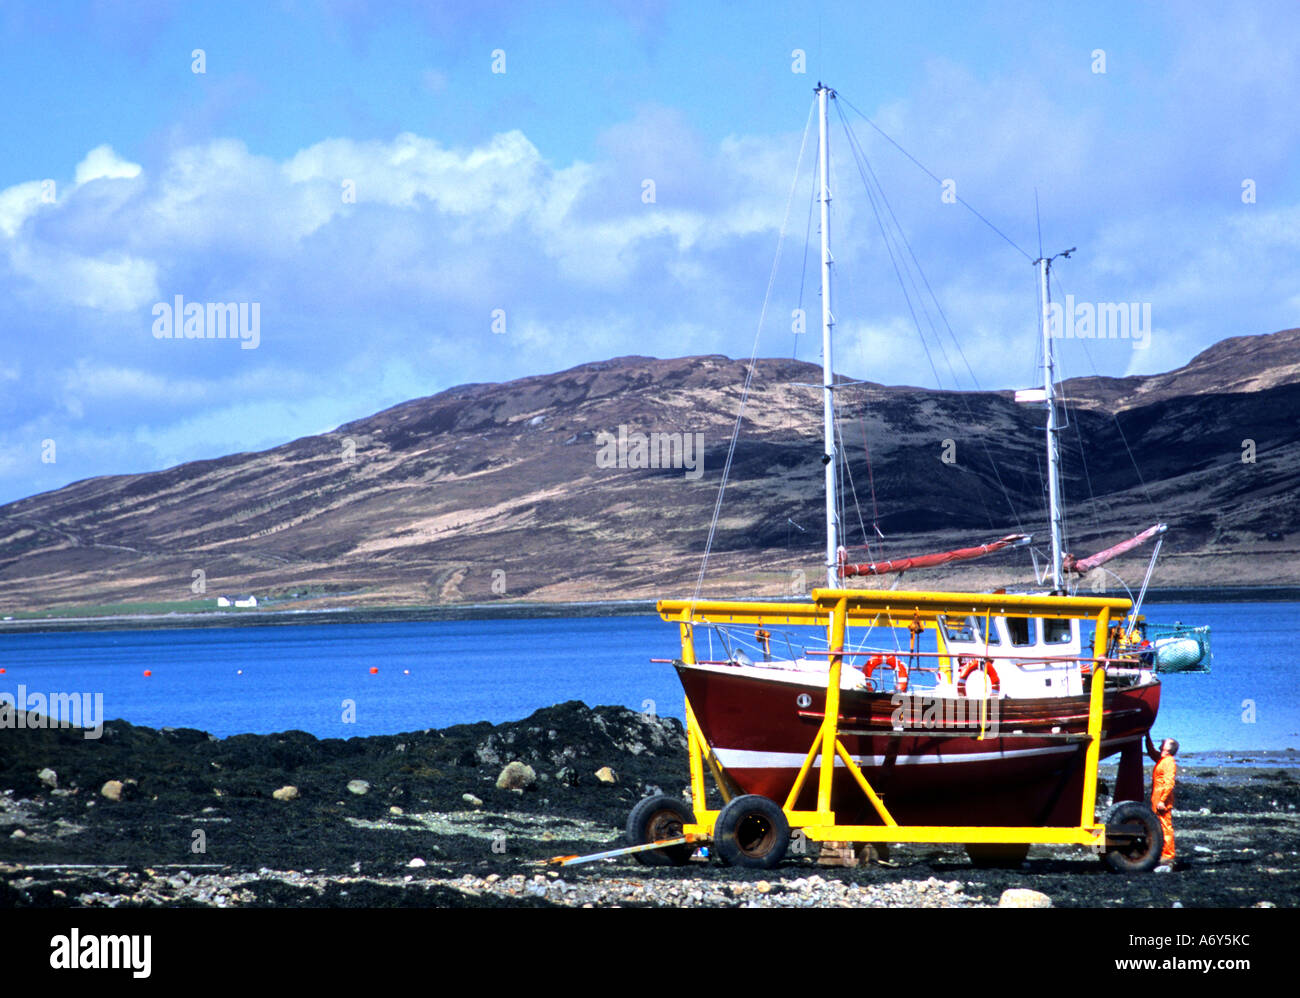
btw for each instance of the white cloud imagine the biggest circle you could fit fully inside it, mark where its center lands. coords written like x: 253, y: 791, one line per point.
x: 498, y: 180
x: 92, y: 381
x: 114, y: 282
x: 17, y: 204
x: 101, y: 162
x: 366, y: 303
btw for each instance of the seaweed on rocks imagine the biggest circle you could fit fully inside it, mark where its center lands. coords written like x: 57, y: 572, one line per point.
x: 417, y: 819
x: 179, y: 782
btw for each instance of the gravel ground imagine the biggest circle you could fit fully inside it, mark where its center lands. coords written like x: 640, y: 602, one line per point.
x: 418, y: 820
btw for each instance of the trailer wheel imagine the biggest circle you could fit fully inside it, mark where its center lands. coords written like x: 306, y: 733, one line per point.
x: 996, y: 855
x: 655, y: 818
x: 1142, y: 842
x: 752, y: 832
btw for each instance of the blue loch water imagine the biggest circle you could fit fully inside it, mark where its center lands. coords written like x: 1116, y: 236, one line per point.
x: 436, y: 673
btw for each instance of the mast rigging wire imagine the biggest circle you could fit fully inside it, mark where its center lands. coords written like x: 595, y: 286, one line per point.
x: 753, y: 359
x: 960, y: 200
x: 865, y: 169
x: 1115, y: 416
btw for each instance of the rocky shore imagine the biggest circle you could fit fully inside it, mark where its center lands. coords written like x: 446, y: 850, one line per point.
x: 464, y: 816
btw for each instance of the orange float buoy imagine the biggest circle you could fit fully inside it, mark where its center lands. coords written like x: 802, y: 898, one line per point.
x: 374, y: 670
x: 148, y: 672
x: 892, y: 662
x: 973, y: 665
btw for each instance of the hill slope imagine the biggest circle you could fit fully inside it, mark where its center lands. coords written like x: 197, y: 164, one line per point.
x: 497, y: 491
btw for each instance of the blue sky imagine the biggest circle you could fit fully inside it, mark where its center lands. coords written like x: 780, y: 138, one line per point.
x: 130, y: 179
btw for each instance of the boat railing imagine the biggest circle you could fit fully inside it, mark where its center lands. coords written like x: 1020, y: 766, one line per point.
x: 1109, y: 662
x: 1106, y: 660
x: 909, y: 662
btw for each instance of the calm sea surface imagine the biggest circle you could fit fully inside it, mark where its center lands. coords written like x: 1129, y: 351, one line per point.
x: 433, y: 674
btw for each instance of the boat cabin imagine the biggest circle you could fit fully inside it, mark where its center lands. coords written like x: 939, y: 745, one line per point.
x: 1017, y: 657
x: 1018, y: 646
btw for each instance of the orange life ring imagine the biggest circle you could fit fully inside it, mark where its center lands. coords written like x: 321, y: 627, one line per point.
x: 892, y: 662
x: 970, y: 665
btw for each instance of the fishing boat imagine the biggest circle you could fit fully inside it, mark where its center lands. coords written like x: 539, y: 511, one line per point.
x: 914, y: 715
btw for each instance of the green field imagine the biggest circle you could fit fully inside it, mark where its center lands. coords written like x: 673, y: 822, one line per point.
x: 118, y: 609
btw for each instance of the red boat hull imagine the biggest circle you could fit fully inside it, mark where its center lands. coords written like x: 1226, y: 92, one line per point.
x: 1026, y: 771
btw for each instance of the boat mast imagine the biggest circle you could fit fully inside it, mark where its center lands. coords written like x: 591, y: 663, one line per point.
x: 1053, y: 433
x: 828, y: 320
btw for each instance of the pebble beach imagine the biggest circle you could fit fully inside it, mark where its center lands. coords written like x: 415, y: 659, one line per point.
x: 466, y: 816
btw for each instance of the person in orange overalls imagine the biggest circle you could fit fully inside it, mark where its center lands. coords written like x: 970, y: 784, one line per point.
x: 1162, y: 793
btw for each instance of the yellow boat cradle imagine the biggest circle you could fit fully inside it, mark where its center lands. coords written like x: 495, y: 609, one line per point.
x: 667, y: 837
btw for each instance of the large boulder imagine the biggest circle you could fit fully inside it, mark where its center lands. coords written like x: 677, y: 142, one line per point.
x: 516, y: 776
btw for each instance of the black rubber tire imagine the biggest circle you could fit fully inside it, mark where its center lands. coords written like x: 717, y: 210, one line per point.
x: 1143, y: 855
x: 660, y: 817
x: 751, y: 832
x: 997, y: 855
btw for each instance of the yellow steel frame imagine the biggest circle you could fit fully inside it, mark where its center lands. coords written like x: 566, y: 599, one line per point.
x: 836, y: 609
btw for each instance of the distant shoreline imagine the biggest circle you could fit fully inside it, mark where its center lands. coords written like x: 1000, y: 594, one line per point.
x: 329, y: 615
x: 499, y: 611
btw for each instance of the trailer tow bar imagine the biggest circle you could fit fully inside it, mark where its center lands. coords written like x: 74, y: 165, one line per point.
x: 625, y: 850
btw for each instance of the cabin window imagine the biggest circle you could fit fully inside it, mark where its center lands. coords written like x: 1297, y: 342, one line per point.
x: 1058, y: 632
x: 970, y: 629
x: 958, y: 630
x: 988, y: 634
x: 1021, y: 630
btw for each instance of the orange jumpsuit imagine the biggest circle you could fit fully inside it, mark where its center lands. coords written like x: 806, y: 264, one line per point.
x: 1162, y: 802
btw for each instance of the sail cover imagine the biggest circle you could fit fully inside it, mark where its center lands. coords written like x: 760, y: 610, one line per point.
x: 929, y: 560
x: 1082, y: 567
